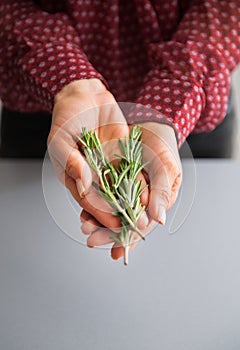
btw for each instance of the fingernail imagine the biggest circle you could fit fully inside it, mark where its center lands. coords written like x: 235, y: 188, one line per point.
x: 143, y: 221
x: 115, y: 257
x: 90, y: 245
x: 80, y: 187
x: 162, y: 215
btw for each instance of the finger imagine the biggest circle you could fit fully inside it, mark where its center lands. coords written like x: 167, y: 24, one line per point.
x: 66, y: 180
x: 160, y: 193
x: 93, y: 204
x: 113, y: 124
x: 117, y: 251
x: 69, y: 157
x: 90, y: 226
x: 145, y: 195
x: 143, y: 221
x: 175, y: 189
x: 100, y: 237
x: 100, y: 210
x: 165, y: 181
x: 78, y: 169
x: 84, y: 215
x: 98, y: 216
x: 71, y: 186
x: 164, y: 168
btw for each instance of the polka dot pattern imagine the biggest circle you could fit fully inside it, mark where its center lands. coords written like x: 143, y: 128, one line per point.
x: 173, y: 58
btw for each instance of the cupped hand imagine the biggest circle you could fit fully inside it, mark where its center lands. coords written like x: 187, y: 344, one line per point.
x: 85, y: 103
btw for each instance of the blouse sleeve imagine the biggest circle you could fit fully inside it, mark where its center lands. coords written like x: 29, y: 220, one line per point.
x: 40, y: 53
x: 189, y: 78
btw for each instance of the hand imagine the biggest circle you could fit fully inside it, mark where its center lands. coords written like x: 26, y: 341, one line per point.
x: 164, y: 170
x: 84, y: 103
x: 164, y: 175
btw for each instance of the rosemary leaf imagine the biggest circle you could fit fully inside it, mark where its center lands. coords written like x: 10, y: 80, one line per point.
x: 123, y: 191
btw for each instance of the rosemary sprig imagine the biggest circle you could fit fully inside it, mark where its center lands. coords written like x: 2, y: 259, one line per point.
x: 119, y: 186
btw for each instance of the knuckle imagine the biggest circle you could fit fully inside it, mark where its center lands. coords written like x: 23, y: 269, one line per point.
x: 175, y: 173
x: 170, y: 161
x: 164, y: 194
x: 178, y: 180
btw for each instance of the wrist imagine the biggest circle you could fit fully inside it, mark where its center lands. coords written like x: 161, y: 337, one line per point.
x: 82, y: 86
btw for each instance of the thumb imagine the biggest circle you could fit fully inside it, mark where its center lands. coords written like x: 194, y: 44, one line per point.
x: 160, y: 193
x: 72, y: 162
x: 78, y: 169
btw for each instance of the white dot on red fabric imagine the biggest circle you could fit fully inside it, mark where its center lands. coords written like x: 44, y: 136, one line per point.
x: 166, y: 89
x: 40, y: 54
x: 167, y: 99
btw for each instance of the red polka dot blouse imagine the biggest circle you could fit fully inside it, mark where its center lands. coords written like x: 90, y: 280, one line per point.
x: 173, y: 57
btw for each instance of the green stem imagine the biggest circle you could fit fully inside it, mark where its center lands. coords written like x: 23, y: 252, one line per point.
x: 126, y: 250
x: 119, y: 208
x: 124, y: 214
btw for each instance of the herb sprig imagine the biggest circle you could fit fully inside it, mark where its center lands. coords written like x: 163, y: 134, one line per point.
x: 119, y: 186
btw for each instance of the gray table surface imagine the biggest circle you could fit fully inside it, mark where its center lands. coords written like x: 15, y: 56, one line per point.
x: 179, y: 291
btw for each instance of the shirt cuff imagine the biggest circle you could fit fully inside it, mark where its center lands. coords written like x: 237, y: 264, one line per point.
x: 164, y: 99
x: 48, y: 69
